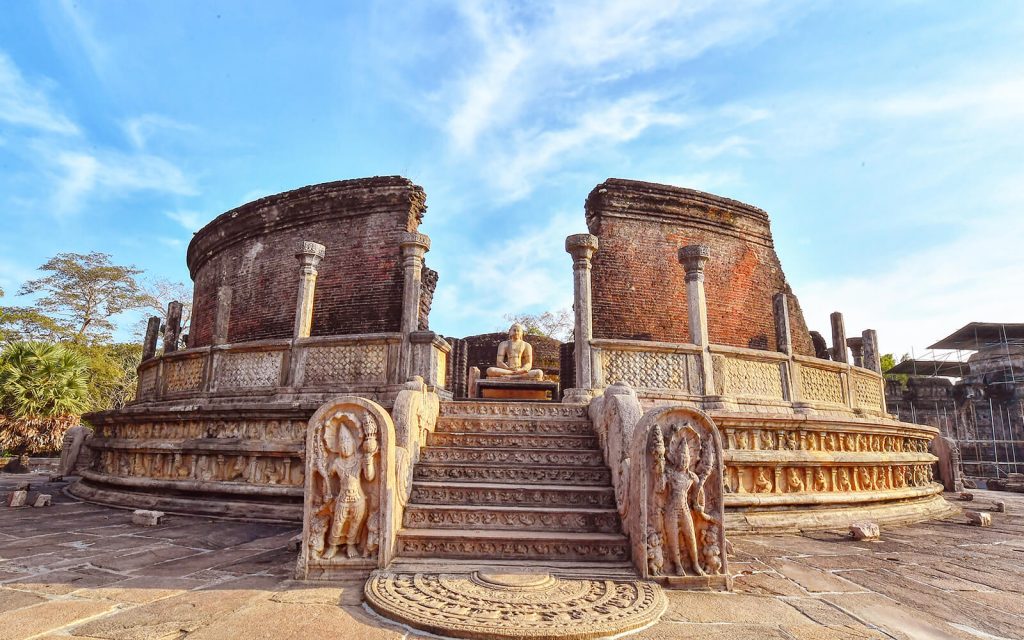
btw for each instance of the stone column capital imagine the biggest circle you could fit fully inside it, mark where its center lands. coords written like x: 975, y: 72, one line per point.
x: 693, y: 257
x: 414, y: 244
x: 310, y: 254
x: 582, y: 246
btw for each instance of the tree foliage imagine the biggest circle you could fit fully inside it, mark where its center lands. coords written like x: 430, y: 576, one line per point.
x: 83, y: 291
x: 157, y: 293
x: 557, y: 325
x: 43, y: 389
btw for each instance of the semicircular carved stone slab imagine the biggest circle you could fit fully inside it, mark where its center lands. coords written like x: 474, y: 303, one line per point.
x: 676, y: 477
x: 494, y: 605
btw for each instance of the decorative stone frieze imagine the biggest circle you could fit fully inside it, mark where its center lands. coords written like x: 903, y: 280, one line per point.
x: 183, y: 374
x: 345, y: 363
x: 249, y: 370
x: 821, y: 385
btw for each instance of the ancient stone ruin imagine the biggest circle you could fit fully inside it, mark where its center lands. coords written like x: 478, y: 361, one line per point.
x: 691, y: 406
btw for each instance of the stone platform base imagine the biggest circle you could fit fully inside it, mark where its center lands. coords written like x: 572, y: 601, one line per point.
x: 535, y: 606
x: 794, y: 519
x: 517, y: 390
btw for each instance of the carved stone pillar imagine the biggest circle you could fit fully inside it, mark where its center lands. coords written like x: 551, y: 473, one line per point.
x: 693, y: 258
x: 414, y: 245
x: 152, y: 333
x: 172, y: 330
x: 838, y: 338
x: 310, y: 254
x: 582, y: 247
x: 220, y: 322
x: 783, y: 332
x: 872, y: 358
x: 857, y: 349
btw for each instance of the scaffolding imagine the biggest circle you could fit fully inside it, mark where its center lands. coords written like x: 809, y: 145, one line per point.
x: 996, y: 452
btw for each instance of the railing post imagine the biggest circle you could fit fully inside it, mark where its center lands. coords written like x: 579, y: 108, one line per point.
x: 220, y: 322
x: 172, y: 330
x: 582, y: 247
x: 783, y: 332
x: 693, y: 258
x: 414, y: 246
x: 838, y: 338
x: 872, y: 358
x: 152, y: 334
x: 857, y: 349
x: 310, y: 254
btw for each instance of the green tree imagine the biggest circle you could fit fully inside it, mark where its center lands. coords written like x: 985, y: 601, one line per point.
x: 112, y: 373
x: 43, y: 391
x: 83, y: 291
x: 888, y: 361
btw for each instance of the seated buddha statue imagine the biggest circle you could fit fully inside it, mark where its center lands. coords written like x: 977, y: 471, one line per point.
x: 515, y: 358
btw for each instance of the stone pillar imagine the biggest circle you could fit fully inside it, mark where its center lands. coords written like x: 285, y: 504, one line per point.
x: 152, y: 333
x: 220, y: 322
x: 857, y: 349
x: 783, y: 332
x: 693, y: 258
x: 172, y: 329
x: 582, y: 247
x: 310, y: 254
x: 872, y: 358
x: 414, y: 245
x: 838, y: 338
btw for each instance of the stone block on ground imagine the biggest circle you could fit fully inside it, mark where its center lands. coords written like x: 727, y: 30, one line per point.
x: 979, y: 518
x: 966, y: 496
x: 865, y: 531
x: 999, y: 506
x: 17, y: 498
x: 23, y: 486
x: 43, y: 500
x: 147, y: 518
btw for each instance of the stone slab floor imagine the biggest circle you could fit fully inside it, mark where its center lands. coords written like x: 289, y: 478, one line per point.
x: 77, y: 570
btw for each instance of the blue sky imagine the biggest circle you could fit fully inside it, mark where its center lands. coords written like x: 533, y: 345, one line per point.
x: 886, y: 140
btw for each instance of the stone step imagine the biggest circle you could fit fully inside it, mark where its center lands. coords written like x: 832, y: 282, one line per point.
x: 539, y: 495
x: 477, y: 408
x: 419, y: 516
x: 582, y: 457
x: 511, y: 441
x: 532, y: 426
x: 614, y: 570
x: 513, y: 474
x: 512, y: 545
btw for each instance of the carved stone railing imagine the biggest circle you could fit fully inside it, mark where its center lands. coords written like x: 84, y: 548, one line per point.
x: 743, y: 379
x: 359, y: 364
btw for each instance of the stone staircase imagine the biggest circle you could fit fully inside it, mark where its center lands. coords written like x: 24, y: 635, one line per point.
x: 520, y: 482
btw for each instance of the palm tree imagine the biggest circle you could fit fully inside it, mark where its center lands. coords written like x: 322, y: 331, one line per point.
x: 43, y: 390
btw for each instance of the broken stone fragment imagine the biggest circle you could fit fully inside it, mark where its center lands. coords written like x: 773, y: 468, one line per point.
x: 23, y: 486
x: 17, y: 498
x: 865, y: 531
x: 999, y: 506
x: 966, y: 496
x: 295, y: 543
x: 979, y: 518
x: 147, y: 518
x: 43, y: 500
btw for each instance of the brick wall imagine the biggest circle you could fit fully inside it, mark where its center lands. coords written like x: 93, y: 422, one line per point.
x: 639, y: 290
x: 252, y: 250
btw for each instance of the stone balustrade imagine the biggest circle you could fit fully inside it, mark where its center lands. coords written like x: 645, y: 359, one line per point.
x: 366, y: 363
x: 743, y: 379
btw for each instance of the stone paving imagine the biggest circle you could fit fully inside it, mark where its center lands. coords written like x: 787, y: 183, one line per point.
x: 76, y: 570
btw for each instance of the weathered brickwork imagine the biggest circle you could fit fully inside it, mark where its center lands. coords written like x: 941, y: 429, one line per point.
x: 639, y: 290
x: 252, y: 250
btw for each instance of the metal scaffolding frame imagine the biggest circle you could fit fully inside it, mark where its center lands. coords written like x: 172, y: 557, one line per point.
x: 946, y: 358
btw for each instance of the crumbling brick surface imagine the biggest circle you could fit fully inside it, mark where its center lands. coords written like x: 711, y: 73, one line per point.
x: 639, y: 291
x: 252, y: 250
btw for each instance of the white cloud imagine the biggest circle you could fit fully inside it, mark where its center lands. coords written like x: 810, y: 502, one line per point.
x: 173, y: 243
x: 190, y: 220
x: 24, y: 105
x: 81, y: 25
x: 925, y: 294
x: 112, y: 174
x: 141, y: 128
x: 732, y: 145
